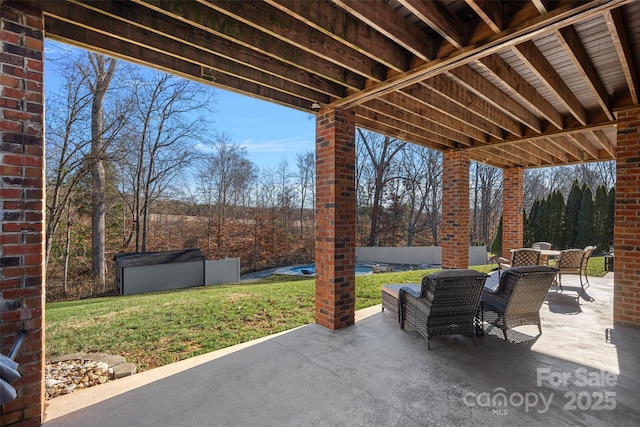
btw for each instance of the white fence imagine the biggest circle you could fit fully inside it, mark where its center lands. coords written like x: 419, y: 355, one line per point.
x: 222, y: 271
x: 415, y: 255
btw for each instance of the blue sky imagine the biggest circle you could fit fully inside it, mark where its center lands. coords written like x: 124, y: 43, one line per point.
x: 269, y: 132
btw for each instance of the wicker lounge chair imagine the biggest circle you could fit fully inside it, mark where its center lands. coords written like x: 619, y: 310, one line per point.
x: 446, y: 305
x: 518, y: 298
x: 520, y: 257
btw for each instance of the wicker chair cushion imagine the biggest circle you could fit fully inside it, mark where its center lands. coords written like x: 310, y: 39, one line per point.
x: 429, y: 282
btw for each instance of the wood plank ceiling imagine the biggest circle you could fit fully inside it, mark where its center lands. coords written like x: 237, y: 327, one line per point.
x: 516, y: 83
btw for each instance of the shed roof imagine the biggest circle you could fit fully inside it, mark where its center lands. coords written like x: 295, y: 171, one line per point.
x: 155, y: 258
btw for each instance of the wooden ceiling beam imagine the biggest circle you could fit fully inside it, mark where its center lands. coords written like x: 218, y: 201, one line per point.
x: 445, y: 126
x: 421, y: 121
x: 489, y: 158
x: 381, y: 17
x: 570, y: 41
x: 208, y: 20
x: 302, y: 87
x: 585, y: 145
x: 542, y: 5
x: 568, y: 147
x: 87, y: 39
x: 505, y: 157
x: 380, y: 127
x: 525, y: 158
x: 551, y: 149
x: 623, y: 48
x: 560, y: 133
x: 443, y: 105
x: 605, y: 142
x: 412, y: 131
x: 473, y: 81
x: 344, y: 28
x: 466, y: 99
x: 490, y: 12
x: 531, y: 55
x: 438, y: 19
x: 522, y: 89
x: 534, y: 151
x: 428, y: 110
x: 272, y: 21
x: 567, y: 14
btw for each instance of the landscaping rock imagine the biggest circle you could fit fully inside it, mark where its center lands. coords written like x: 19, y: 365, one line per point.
x: 123, y: 370
x: 65, y: 374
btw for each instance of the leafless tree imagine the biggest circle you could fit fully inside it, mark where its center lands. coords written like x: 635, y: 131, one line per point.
x: 486, y: 200
x: 97, y: 77
x: 306, y: 163
x: 268, y: 199
x: 381, y: 151
x: 285, y: 191
x: 67, y: 151
x: 224, y: 177
x: 165, y: 127
x: 421, y: 169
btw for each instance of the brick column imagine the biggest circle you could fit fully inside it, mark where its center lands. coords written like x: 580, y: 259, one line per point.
x: 22, y: 204
x: 512, y: 205
x: 626, y: 236
x: 335, y: 219
x: 455, y: 209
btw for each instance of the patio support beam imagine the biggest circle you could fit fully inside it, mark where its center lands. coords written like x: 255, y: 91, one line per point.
x: 455, y: 209
x: 626, y: 236
x: 22, y: 206
x: 335, y: 252
x: 512, y: 206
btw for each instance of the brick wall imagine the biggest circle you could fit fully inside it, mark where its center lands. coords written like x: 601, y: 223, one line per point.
x: 335, y: 219
x: 21, y: 205
x: 455, y: 209
x: 512, y: 205
x: 626, y: 240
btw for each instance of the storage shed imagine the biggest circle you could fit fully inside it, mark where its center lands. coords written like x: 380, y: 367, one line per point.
x: 137, y: 273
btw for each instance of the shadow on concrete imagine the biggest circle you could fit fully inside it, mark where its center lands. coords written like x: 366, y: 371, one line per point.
x: 580, y: 371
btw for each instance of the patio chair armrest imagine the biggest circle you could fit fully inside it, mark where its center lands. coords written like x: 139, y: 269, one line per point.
x: 408, y: 290
x: 491, y: 289
x: 406, y: 295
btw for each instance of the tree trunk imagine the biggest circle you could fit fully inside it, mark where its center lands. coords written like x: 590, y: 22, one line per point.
x: 104, y: 69
x: 67, y: 247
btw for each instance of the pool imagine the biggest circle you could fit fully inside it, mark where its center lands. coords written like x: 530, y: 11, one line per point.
x: 310, y: 270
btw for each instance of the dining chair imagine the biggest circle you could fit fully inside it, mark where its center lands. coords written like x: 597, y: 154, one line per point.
x: 520, y: 257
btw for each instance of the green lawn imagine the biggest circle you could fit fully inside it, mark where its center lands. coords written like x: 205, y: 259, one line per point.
x: 151, y: 330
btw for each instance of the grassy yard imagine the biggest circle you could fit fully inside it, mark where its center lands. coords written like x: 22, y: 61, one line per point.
x: 151, y: 330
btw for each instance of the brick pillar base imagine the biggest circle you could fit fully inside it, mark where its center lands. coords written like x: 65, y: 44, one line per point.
x: 626, y: 238
x: 455, y: 209
x: 512, y: 205
x: 335, y: 219
x: 22, y: 204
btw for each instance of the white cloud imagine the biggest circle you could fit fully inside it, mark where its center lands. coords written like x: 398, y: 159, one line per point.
x: 285, y: 145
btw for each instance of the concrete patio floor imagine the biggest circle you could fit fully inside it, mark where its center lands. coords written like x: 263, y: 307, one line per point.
x: 580, y: 371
